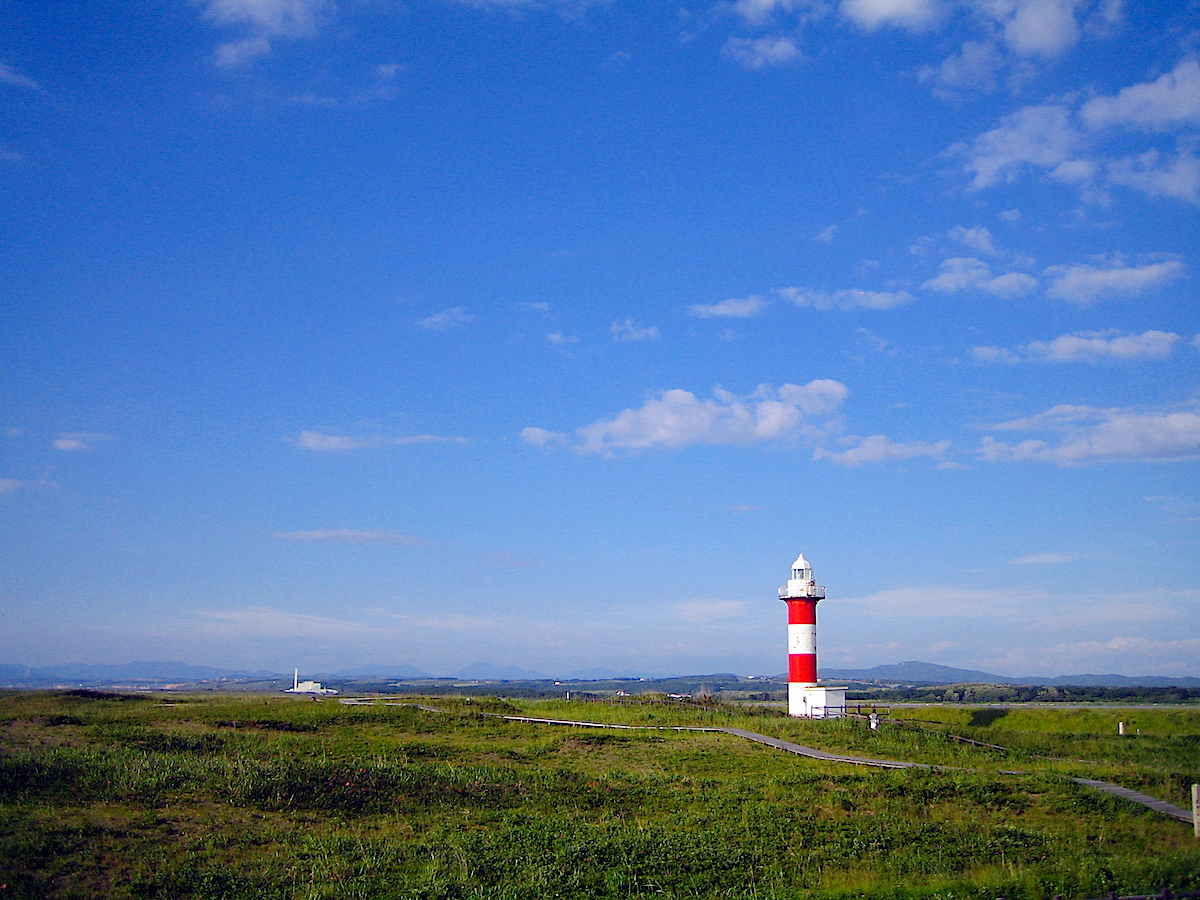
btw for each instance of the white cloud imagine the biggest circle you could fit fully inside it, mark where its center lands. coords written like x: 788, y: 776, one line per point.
x: 874, y: 341
x: 978, y: 238
x: 1087, y: 284
x: 846, y: 299
x: 973, y: 69
x: 1036, y: 135
x: 264, y: 21
x: 1087, y: 346
x: 1041, y: 559
x: 1089, y: 434
x: 540, y: 437
x: 9, y: 485
x: 967, y: 273
x: 557, y: 338
x: 1037, y: 27
x: 350, y: 536
x: 447, y: 318
x: 1172, y: 99
x: 826, y: 235
x: 274, y: 18
x: 1047, y: 137
x: 1186, y: 508
x: 70, y: 442
x: 677, y: 418
x: 913, y: 15
x: 315, y: 440
x: 1159, y: 175
x: 631, y: 331
x: 1097, y: 346
x: 879, y: 448
x: 8, y: 75
x: 238, y: 53
x: 760, y: 12
x: 938, y: 602
x: 759, y: 53
x: 708, y: 610
x: 735, y: 308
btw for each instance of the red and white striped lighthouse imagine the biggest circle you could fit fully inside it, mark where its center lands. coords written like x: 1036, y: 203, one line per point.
x: 805, y: 697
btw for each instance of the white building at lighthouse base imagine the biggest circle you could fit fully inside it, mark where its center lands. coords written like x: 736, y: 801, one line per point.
x: 813, y: 702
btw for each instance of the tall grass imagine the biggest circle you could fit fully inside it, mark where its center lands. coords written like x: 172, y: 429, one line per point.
x: 267, y: 797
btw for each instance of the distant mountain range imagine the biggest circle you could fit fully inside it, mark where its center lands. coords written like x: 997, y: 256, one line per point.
x: 930, y: 673
x: 152, y: 674
x: 130, y: 673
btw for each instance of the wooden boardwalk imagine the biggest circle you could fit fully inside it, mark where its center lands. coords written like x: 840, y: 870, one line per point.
x: 1159, y: 806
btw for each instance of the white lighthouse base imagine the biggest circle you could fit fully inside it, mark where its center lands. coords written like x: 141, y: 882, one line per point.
x: 814, y: 702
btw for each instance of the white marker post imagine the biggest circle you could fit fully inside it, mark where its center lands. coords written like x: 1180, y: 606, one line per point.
x: 1196, y: 810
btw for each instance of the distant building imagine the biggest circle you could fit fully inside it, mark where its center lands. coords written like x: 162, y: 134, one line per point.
x: 307, y: 687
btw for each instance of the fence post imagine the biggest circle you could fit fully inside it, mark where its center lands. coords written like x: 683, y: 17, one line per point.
x: 1196, y: 810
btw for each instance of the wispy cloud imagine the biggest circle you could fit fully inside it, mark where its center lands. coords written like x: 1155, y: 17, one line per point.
x: 1088, y: 347
x: 977, y: 238
x: 967, y: 273
x: 975, y: 67
x: 447, y: 319
x: 735, y: 308
x: 1069, y: 144
x: 262, y: 622
x: 9, y: 76
x: 1170, y: 100
x: 264, y: 22
x: 1085, y: 284
x: 848, y: 299
x: 1086, y: 434
x: 330, y: 443
x: 761, y: 53
x: 709, y: 610
x: 78, y: 441
x: 1186, y: 508
x: 1042, y: 559
x: 558, y: 339
x: 677, y: 418
x: 911, y: 15
x: 350, y: 536
x: 879, y: 448
x: 629, y: 330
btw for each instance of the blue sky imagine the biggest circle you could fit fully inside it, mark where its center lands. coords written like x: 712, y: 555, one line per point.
x: 547, y: 333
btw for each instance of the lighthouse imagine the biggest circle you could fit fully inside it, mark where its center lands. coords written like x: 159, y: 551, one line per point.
x: 805, y: 697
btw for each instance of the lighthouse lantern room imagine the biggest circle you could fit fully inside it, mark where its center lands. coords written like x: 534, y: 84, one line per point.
x: 805, y: 697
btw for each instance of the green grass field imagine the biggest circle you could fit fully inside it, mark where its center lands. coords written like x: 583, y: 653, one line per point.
x: 169, y: 796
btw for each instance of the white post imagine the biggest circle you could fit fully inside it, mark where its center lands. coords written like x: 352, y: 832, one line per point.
x: 1120, y: 728
x: 1196, y: 809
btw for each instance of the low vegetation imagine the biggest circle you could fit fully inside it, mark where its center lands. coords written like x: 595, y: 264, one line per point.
x: 165, y: 796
